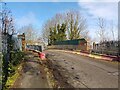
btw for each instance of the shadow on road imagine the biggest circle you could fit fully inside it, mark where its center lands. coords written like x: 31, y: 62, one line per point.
x: 32, y: 74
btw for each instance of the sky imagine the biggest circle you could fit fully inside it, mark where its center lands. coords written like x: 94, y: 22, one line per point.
x: 37, y: 13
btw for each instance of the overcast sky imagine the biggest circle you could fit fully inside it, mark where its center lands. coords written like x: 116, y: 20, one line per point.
x: 36, y: 13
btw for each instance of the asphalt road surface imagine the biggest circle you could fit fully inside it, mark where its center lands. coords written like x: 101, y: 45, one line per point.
x: 33, y: 74
x: 84, y: 72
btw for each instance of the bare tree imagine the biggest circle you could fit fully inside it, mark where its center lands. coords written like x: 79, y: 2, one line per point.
x: 46, y: 31
x: 76, y: 25
x: 7, y: 30
x: 30, y: 35
x: 101, y: 32
x: 0, y: 33
x: 112, y: 30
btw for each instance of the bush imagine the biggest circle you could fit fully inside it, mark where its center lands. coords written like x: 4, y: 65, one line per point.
x: 16, y: 57
x: 1, y: 68
x: 9, y: 68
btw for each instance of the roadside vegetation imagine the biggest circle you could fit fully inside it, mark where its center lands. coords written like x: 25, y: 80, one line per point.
x: 1, y: 68
x: 11, y: 70
x: 11, y: 56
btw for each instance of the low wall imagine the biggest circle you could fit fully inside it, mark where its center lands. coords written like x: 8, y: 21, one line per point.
x: 70, y: 47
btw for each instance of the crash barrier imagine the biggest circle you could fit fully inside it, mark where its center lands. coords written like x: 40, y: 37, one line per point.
x: 34, y: 47
x: 37, y: 49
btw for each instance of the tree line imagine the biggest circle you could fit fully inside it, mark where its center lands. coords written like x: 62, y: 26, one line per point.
x: 73, y: 25
x: 70, y: 25
x: 65, y: 26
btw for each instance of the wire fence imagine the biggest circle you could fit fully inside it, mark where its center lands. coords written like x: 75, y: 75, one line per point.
x: 1, y: 61
x: 11, y: 44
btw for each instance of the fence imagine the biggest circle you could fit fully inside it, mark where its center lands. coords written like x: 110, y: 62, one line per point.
x: 10, y: 44
x: 106, y: 47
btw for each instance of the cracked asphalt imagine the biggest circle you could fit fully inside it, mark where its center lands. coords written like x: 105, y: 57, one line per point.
x: 84, y: 72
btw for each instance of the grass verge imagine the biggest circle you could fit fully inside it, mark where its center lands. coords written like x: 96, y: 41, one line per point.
x: 11, y: 80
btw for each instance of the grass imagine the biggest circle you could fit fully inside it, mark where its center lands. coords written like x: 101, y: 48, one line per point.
x: 11, y: 80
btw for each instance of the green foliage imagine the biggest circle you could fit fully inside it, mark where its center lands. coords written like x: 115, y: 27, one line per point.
x: 12, y: 79
x: 1, y: 68
x: 51, y: 36
x: 16, y: 57
x: 4, y: 70
x: 57, y: 33
x: 9, y: 68
x: 61, y: 32
x: 74, y: 32
x: 13, y: 76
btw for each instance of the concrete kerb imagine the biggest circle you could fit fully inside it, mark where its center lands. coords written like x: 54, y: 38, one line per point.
x: 90, y: 55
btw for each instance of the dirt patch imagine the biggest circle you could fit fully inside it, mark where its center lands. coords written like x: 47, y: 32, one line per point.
x: 60, y: 79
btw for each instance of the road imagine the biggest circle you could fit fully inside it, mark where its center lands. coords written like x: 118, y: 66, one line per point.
x: 84, y: 72
x: 33, y: 74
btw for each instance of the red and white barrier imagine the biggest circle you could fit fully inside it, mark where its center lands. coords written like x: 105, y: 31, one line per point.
x: 42, y: 55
